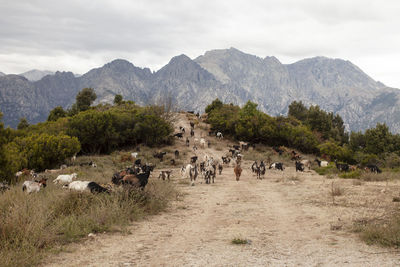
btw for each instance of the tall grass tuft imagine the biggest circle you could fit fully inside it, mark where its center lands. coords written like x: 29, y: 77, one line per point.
x: 385, y: 234
x: 32, y: 225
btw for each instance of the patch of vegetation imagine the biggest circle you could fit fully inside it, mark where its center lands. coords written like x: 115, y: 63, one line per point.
x: 326, y: 170
x: 336, y: 190
x: 239, y: 241
x: 32, y: 225
x: 351, y: 174
x: 381, y: 233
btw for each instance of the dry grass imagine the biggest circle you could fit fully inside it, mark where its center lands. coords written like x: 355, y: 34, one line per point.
x: 385, y: 233
x: 33, y: 225
x: 336, y: 190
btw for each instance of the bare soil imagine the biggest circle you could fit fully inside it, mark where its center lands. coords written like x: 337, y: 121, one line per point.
x: 287, y: 219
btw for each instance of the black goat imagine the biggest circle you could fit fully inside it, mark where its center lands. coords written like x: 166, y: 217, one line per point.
x: 373, y: 168
x: 96, y: 188
x: 299, y: 166
x: 342, y: 166
x: 179, y: 135
x: 193, y: 159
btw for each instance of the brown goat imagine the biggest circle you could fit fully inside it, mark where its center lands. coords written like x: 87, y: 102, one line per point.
x: 131, y: 179
x: 238, y: 171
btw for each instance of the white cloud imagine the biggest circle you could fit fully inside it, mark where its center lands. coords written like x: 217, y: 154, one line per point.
x: 80, y: 35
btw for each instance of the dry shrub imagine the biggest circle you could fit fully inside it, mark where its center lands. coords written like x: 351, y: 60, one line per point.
x: 32, y: 225
x: 382, y: 233
x: 126, y: 157
x: 336, y: 190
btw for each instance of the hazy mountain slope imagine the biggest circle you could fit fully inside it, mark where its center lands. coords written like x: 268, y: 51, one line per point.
x: 20, y: 98
x: 36, y: 75
x: 191, y: 86
x: 2, y: 74
x: 118, y: 77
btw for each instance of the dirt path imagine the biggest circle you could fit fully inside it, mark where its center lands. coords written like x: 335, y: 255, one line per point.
x: 286, y: 218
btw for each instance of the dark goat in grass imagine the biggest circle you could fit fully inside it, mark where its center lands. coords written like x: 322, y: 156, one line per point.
x: 342, y: 166
x: 373, y: 168
x: 96, y: 188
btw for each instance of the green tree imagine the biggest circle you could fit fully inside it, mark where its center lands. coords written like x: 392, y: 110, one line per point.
x: 56, y: 113
x: 23, y: 124
x: 298, y: 110
x: 118, y: 99
x: 378, y: 140
x: 216, y: 104
x: 94, y: 130
x: 85, y: 98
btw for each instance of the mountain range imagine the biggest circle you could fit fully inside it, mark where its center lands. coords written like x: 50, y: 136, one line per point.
x: 233, y: 76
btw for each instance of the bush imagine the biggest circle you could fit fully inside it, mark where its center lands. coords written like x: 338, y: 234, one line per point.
x: 107, y: 130
x: 38, y: 152
x: 382, y: 233
x: 327, y: 170
x: 351, y: 175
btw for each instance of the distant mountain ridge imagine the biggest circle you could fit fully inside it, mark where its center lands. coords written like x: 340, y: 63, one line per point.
x: 36, y: 75
x: 233, y: 76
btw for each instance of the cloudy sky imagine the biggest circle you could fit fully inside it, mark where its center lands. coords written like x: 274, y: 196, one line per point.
x: 77, y: 35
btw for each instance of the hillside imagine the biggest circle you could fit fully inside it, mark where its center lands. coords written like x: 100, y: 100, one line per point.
x: 233, y: 76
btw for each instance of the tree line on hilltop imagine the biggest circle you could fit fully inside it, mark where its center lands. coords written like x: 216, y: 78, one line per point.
x: 310, y: 130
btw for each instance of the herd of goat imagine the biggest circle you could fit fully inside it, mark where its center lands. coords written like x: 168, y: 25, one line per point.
x: 138, y: 174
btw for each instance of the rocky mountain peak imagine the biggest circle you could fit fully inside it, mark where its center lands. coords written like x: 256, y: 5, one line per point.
x: 36, y: 75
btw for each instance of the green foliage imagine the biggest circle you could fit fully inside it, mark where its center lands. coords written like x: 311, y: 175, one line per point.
x: 378, y: 140
x: 118, y: 99
x: 330, y: 169
x: 250, y: 124
x: 85, y: 98
x: 216, y: 104
x: 328, y: 125
x: 94, y: 130
x: 23, y: 124
x: 298, y: 110
x: 239, y: 241
x: 46, y: 151
x: 351, y: 175
x: 224, y: 119
x: 335, y: 151
x: 56, y: 113
x: 104, y: 131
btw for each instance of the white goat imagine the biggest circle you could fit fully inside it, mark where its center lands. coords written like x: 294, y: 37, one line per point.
x: 185, y: 171
x: 33, y: 186
x: 79, y: 186
x: 65, y: 178
x: 202, y: 143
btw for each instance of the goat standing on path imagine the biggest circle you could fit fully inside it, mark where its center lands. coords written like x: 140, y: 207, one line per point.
x: 237, y: 170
